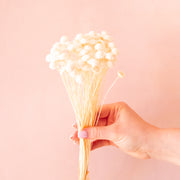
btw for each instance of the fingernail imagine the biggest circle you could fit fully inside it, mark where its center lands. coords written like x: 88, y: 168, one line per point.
x: 82, y: 134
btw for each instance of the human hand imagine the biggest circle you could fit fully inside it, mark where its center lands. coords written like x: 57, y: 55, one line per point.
x: 119, y: 126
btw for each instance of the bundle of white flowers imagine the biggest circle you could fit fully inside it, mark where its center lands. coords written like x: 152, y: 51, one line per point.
x: 83, y: 63
x: 90, y: 52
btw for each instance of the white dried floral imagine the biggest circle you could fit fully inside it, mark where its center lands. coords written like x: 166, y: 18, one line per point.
x: 87, y: 52
x: 61, y: 70
x: 62, y: 56
x: 83, y: 52
x: 109, y: 56
x: 70, y: 47
x: 92, y: 62
x: 111, y: 45
x: 83, y: 41
x: 63, y: 39
x: 114, y: 51
x: 99, y: 55
x: 78, y: 36
x: 91, y: 33
x: 52, y: 65
x: 48, y: 58
x: 87, y: 48
x: 85, y: 57
x: 107, y: 37
x: 98, y: 46
x: 92, y: 41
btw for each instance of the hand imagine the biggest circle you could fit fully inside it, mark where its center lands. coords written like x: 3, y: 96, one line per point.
x: 121, y: 127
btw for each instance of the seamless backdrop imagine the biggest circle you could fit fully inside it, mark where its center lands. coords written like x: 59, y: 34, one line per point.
x: 35, y: 113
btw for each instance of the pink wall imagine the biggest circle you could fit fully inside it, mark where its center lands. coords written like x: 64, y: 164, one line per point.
x: 35, y: 113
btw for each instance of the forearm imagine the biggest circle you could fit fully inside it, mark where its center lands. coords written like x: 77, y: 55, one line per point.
x: 164, y: 144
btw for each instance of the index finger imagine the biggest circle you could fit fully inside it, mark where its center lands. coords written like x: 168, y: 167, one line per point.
x: 103, y: 112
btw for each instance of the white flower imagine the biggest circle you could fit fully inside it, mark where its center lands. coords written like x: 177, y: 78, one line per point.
x: 62, y: 56
x: 85, y: 57
x: 99, y: 55
x: 52, y: 66
x: 63, y: 39
x: 53, y: 50
x: 70, y: 47
x: 111, y: 45
x: 91, y: 33
x: 54, y: 57
x: 56, y: 45
x: 107, y: 37
x: 61, y: 70
x: 48, y: 58
x: 92, y: 62
x: 92, y: 41
x: 109, y: 56
x: 78, y: 36
x: 83, y: 41
x: 114, y: 51
x: 87, y: 48
x: 87, y: 52
x: 98, y: 46
x: 83, y: 52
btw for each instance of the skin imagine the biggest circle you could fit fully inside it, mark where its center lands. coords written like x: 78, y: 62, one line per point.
x: 121, y: 127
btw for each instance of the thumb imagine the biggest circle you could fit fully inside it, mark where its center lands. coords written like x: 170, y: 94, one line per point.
x: 98, y: 132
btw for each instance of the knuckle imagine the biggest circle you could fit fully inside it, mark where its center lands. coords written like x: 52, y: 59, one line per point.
x: 122, y: 104
x: 115, y: 130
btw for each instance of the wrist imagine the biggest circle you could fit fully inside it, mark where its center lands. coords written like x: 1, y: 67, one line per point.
x: 163, y: 145
x: 153, y: 139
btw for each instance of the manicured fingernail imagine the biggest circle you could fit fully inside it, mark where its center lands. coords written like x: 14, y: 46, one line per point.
x: 82, y: 134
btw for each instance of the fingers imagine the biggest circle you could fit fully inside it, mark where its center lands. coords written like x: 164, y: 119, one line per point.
x: 95, y: 133
x: 74, y: 125
x: 74, y: 137
x: 98, y: 133
x: 104, y: 110
x: 99, y: 143
x: 104, y: 113
x: 95, y: 144
x: 101, y: 122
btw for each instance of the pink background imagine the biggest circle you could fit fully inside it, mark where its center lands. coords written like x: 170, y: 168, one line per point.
x: 35, y: 112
